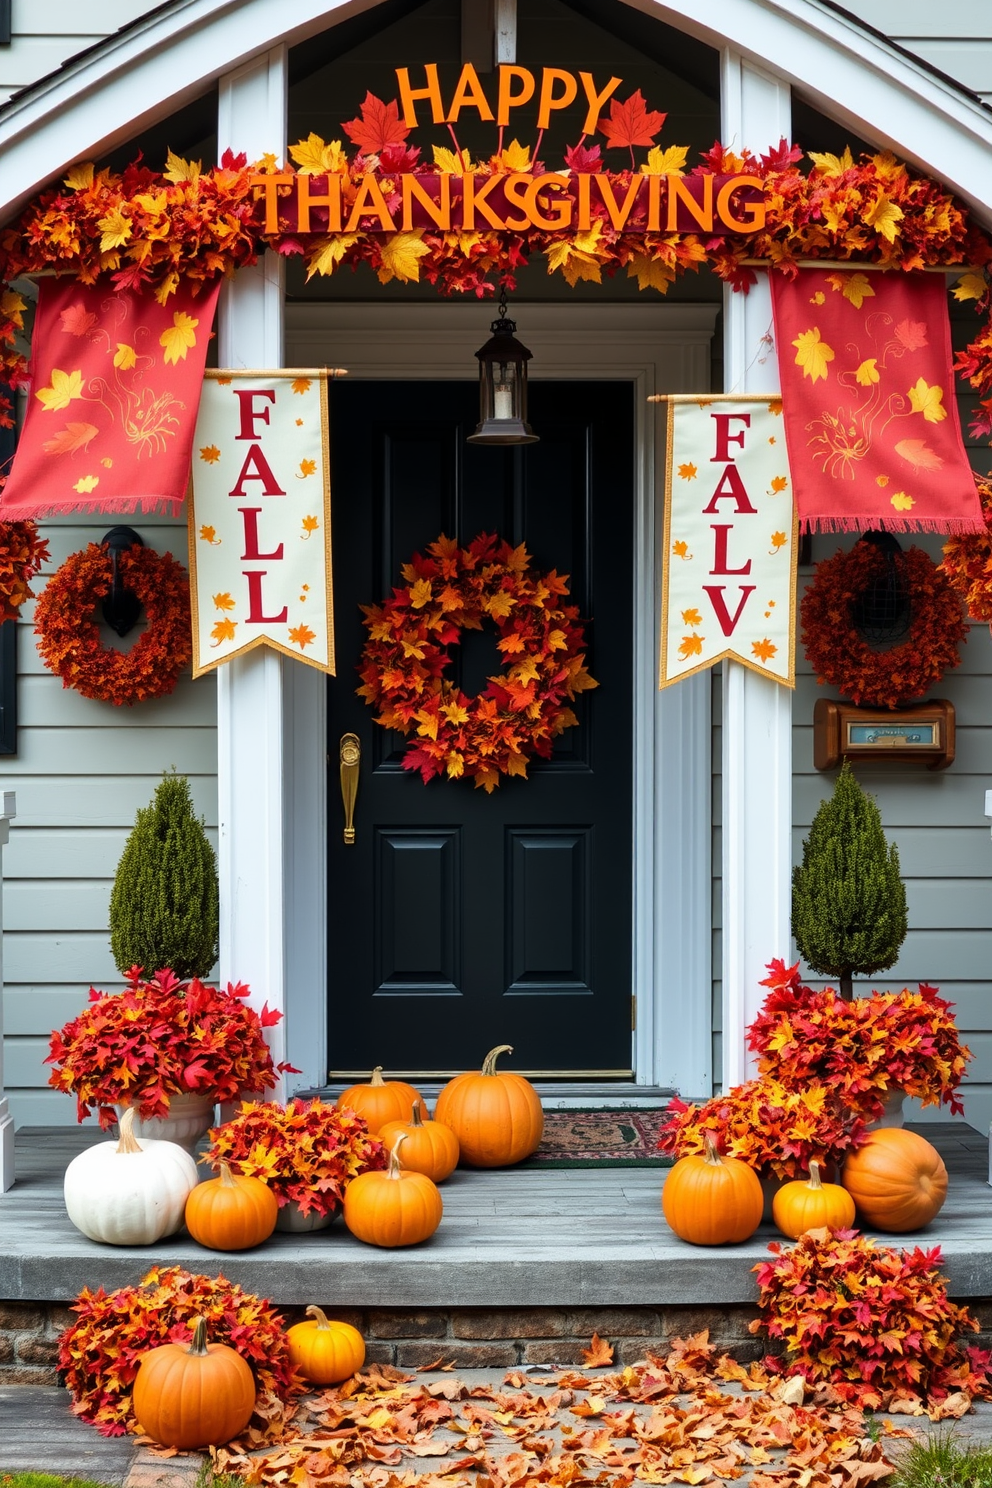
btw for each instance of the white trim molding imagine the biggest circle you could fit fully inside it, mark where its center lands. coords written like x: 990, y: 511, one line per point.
x: 658, y: 348
x: 8, y: 810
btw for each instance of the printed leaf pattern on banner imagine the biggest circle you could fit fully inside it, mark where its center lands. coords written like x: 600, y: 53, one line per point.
x: 116, y: 382
x: 259, y: 519
x: 729, y: 560
x: 868, y: 394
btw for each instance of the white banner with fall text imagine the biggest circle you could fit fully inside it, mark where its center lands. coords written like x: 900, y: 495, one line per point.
x: 260, y: 518
x: 729, y: 569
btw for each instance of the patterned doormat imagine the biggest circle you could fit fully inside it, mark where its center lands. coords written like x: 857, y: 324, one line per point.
x: 600, y: 1139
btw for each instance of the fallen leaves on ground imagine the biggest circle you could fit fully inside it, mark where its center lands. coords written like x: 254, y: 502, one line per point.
x: 691, y: 1416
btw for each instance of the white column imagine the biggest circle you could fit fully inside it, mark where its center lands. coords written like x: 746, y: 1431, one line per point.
x: 757, y: 713
x: 252, y: 840
x: 8, y: 810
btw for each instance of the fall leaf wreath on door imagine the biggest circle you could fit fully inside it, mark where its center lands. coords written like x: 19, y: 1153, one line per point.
x: 411, y: 635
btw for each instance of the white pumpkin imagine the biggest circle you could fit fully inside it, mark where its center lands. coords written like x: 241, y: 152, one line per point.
x: 129, y: 1192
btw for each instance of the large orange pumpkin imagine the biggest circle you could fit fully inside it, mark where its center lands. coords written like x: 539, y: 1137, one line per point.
x: 394, y: 1207
x: 231, y: 1212
x: 897, y: 1180
x: 430, y: 1146
x: 812, y: 1205
x: 381, y: 1100
x: 196, y: 1397
x: 495, y: 1114
x: 324, y: 1350
x: 712, y: 1200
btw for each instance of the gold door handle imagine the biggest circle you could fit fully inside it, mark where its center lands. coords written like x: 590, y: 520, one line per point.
x: 351, y: 760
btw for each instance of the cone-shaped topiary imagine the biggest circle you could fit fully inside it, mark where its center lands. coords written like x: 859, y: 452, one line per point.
x: 164, y: 909
x: 848, y: 901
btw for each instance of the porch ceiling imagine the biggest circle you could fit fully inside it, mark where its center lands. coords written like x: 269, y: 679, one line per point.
x: 518, y: 1238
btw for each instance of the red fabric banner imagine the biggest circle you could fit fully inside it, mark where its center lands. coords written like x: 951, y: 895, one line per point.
x: 115, y: 387
x: 868, y: 400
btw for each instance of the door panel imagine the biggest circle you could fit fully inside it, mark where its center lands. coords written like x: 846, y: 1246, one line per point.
x: 458, y: 920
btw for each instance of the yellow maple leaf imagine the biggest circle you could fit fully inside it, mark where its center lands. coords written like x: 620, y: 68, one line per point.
x: 115, y: 229
x: 12, y: 307
x: 854, y: 287
x: 577, y: 257
x: 154, y: 203
x: 455, y: 713
x: 500, y: 604
x: 832, y: 165
x: 680, y: 549
x: 691, y: 645
x: 901, y: 501
x: 557, y: 640
x: 650, y: 273
x: 970, y: 287
x: 668, y: 162
x: 63, y: 388
x: 764, y: 650
x: 451, y: 164
x: 179, y: 337
x: 209, y: 535
x: 884, y: 215
x: 302, y: 636
x: 516, y: 764
x: 779, y: 541
x: 223, y: 631
x: 315, y: 158
x: 224, y: 602
x: 86, y: 484
x: 867, y: 372
x: 80, y: 177
x: 819, y: 298
x: 687, y: 472
x: 307, y: 467
x: 329, y: 252
x: 779, y: 484
x: 928, y: 399
x: 400, y: 257
x: 300, y: 385
x: 310, y: 524
x: 691, y: 617
x: 125, y: 356
x: 513, y: 157
x: 812, y: 354
x: 177, y: 170
x: 421, y: 593
x: 210, y: 454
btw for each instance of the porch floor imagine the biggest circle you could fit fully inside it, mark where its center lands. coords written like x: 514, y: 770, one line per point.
x: 510, y: 1238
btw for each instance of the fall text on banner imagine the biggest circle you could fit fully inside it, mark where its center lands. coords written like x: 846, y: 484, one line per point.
x: 259, y: 536
x: 729, y: 571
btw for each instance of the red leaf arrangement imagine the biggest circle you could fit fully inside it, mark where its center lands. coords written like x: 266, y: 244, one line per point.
x: 873, y: 1322
x: 22, y: 552
x: 99, y: 1353
x: 379, y: 125
x: 631, y: 123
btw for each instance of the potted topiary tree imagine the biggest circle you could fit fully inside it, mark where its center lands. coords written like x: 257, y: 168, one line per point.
x: 848, y: 900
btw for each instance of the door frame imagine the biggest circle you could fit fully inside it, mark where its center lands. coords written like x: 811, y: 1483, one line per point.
x: 660, y: 349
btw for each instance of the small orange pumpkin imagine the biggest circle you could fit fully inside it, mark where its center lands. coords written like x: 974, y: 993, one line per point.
x: 897, y: 1180
x: 495, y: 1114
x: 712, y: 1200
x: 325, y: 1351
x: 231, y: 1212
x: 430, y: 1146
x: 394, y: 1207
x: 196, y: 1397
x: 380, y: 1100
x: 812, y: 1205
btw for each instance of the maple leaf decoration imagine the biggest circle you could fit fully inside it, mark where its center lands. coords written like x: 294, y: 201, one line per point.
x: 210, y: 453
x: 598, y: 1354
x: 307, y: 467
x: 72, y: 437
x: 379, y: 125
x: 223, y: 631
x: 631, y: 123
x: 302, y: 636
x: 310, y: 525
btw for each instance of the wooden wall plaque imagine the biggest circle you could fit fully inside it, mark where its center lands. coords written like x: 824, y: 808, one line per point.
x: 923, y: 735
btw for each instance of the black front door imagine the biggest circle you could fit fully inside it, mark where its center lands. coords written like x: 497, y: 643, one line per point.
x: 460, y: 920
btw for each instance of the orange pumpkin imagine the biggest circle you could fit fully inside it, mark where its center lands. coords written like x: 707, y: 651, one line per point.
x: 430, y: 1146
x: 897, y: 1180
x: 812, y: 1205
x: 380, y: 1100
x: 394, y: 1207
x: 196, y: 1397
x: 231, y: 1212
x: 712, y: 1200
x: 495, y: 1114
x: 325, y: 1351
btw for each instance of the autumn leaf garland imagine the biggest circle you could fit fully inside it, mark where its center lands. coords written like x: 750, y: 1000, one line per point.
x: 523, y: 710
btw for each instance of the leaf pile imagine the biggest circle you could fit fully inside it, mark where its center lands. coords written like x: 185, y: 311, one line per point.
x: 662, y: 1420
x: 873, y: 1322
x: 862, y: 1049
x: 99, y: 1353
x: 774, y: 1129
x: 160, y: 1038
x: 305, y: 1151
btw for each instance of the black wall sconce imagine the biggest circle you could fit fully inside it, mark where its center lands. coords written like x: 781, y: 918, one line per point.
x: 121, y: 608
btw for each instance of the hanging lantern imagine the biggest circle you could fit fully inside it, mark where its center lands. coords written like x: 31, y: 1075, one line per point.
x: 503, y: 386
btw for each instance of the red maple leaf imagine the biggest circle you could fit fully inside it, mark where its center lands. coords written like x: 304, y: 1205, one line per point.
x: 583, y: 159
x: 380, y: 125
x: 631, y: 123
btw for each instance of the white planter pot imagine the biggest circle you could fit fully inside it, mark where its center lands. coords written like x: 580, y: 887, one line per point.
x: 292, y: 1222
x: 892, y: 1112
x: 190, y: 1117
